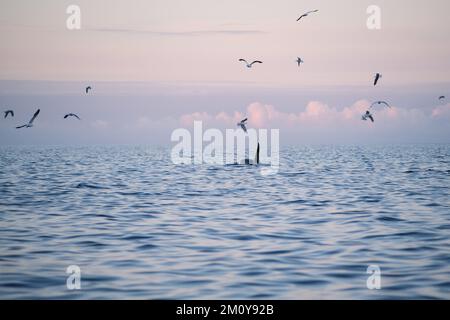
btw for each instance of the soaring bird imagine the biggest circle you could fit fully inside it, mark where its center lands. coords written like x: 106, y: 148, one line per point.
x: 249, y: 65
x: 380, y: 103
x: 299, y: 61
x: 377, y: 77
x: 87, y: 89
x: 441, y: 97
x: 30, y: 123
x: 7, y: 112
x: 71, y: 115
x: 242, y: 125
x: 306, y: 14
x: 367, y: 115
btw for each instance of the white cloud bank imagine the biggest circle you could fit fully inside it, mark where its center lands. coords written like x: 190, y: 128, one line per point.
x: 321, y: 123
x: 314, y: 123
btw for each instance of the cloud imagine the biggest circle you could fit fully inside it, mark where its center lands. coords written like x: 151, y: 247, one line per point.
x: 188, y: 119
x: 221, y: 118
x: 318, y: 122
x: 191, y: 33
x: 441, y: 111
x: 316, y: 113
x: 263, y: 115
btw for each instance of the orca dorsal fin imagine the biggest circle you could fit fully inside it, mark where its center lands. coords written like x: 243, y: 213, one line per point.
x: 257, y: 154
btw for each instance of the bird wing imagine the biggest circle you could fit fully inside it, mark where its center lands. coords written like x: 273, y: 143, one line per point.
x: 12, y: 113
x: 373, y: 104
x: 65, y: 117
x: 243, y: 60
x: 371, y: 118
x: 245, y: 120
x: 380, y: 102
x: 441, y: 97
x: 19, y: 127
x: 243, y: 127
x: 306, y: 14
x: 76, y: 116
x: 34, y: 116
x: 256, y: 61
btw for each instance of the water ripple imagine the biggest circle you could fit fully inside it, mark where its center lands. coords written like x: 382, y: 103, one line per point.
x: 140, y: 227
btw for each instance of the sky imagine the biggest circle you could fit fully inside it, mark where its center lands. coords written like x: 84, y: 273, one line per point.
x: 157, y: 65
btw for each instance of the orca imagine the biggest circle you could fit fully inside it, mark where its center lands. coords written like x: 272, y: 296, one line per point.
x: 253, y: 162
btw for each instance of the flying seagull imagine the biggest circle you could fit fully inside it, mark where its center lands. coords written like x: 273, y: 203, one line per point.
x: 380, y: 103
x: 377, y: 77
x: 242, y: 125
x: 441, y: 97
x: 71, y: 115
x: 87, y: 89
x: 30, y: 124
x: 306, y: 14
x: 299, y: 61
x: 367, y: 115
x: 7, y: 112
x: 251, y: 64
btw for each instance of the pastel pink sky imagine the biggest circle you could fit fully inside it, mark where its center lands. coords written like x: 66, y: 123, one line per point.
x: 156, y: 65
x: 202, y: 40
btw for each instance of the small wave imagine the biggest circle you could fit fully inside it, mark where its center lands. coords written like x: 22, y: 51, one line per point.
x: 310, y: 282
x: 84, y: 185
x: 136, y: 237
x: 389, y: 219
x: 293, y: 174
x: 244, y: 237
x: 147, y: 246
x: 298, y: 201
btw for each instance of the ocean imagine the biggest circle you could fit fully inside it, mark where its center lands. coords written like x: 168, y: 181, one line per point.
x: 139, y: 227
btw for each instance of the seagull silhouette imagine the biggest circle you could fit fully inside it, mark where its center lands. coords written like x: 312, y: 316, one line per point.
x: 242, y: 125
x: 380, y: 103
x: 441, y: 97
x: 30, y: 123
x: 299, y: 61
x: 377, y: 77
x: 306, y: 14
x: 87, y: 89
x: 367, y: 115
x: 249, y: 65
x: 7, y: 112
x: 71, y: 115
